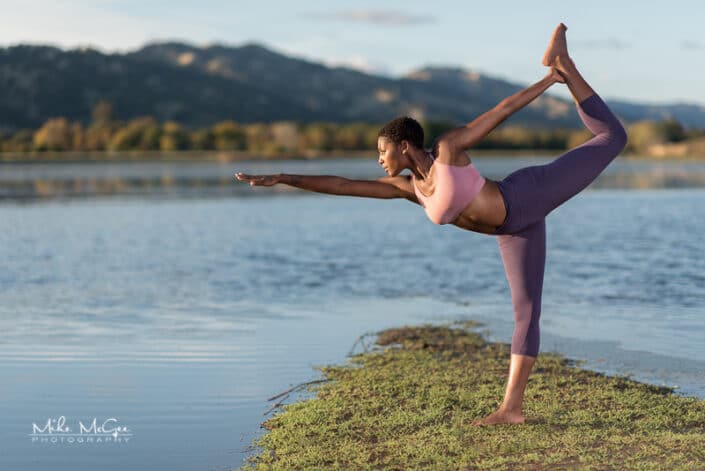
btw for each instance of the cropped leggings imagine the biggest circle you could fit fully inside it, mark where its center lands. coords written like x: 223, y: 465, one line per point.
x: 530, y: 194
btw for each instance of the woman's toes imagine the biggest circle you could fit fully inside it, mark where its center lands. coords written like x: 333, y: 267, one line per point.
x: 557, y: 46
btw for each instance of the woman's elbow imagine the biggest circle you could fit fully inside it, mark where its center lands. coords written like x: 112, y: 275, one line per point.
x: 450, y: 142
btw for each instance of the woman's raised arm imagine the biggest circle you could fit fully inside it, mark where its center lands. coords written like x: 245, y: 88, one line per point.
x: 466, y: 136
x: 385, y: 187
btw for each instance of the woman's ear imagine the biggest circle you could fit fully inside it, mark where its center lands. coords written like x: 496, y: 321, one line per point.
x: 404, y: 146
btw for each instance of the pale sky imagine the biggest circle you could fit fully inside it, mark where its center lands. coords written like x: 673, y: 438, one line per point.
x: 644, y: 52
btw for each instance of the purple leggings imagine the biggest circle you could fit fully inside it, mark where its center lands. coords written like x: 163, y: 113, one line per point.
x: 530, y: 194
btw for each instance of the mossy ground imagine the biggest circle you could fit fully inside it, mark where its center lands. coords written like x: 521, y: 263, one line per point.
x: 408, y: 404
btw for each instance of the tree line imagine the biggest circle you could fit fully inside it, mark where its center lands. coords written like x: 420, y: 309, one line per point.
x: 104, y: 133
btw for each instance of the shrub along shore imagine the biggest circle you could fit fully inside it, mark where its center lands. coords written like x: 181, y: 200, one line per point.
x: 104, y: 135
x: 408, y: 402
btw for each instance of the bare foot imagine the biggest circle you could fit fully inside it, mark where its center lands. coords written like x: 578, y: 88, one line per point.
x: 501, y: 417
x: 557, y: 47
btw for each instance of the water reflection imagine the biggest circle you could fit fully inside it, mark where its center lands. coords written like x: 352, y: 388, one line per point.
x: 42, y: 180
x: 181, y: 316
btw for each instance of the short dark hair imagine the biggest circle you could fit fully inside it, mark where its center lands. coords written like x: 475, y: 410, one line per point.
x: 403, y: 128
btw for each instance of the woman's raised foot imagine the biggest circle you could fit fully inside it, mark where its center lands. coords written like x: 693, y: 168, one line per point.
x: 558, y: 47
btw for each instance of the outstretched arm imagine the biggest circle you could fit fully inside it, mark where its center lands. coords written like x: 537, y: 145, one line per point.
x: 385, y: 187
x: 466, y: 136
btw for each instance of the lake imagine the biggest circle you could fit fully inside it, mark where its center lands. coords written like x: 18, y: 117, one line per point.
x: 169, y: 313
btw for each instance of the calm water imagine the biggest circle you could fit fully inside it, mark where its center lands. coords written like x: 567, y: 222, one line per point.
x: 179, y: 316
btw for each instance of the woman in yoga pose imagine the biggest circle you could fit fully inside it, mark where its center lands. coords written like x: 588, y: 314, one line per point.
x: 451, y: 190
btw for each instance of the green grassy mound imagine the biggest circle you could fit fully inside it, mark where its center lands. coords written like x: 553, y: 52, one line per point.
x: 408, y: 404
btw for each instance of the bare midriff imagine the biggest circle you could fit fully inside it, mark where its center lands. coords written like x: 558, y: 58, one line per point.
x: 485, y: 212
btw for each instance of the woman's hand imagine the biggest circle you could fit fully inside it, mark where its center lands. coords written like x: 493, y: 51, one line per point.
x: 555, y: 75
x: 258, y: 180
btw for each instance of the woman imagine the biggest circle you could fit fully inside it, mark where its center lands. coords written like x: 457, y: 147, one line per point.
x: 451, y: 190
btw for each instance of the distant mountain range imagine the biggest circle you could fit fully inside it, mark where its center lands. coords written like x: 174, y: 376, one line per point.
x: 200, y: 86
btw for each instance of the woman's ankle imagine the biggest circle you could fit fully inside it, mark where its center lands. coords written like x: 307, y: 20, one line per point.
x: 566, y: 66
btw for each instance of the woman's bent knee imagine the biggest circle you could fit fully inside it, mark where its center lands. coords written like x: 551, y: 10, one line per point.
x: 618, y: 138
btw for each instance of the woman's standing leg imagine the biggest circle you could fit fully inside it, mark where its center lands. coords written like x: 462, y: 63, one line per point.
x: 524, y: 257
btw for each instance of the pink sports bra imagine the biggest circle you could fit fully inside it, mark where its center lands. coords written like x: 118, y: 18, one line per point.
x: 455, y: 189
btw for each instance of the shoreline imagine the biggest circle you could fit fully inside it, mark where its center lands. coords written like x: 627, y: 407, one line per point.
x: 408, y: 401
x: 190, y: 157
x: 68, y: 178
x: 87, y: 157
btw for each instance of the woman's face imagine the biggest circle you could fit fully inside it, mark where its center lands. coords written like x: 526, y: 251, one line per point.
x: 390, y: 155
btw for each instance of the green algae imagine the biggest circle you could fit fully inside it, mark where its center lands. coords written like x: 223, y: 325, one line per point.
x: 408, y: 404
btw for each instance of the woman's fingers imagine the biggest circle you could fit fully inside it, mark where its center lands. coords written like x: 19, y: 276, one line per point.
x: 244, y: 176
x: 556, y: 75
x: 255, y: 179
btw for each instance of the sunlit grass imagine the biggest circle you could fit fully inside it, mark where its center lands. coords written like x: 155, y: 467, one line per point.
x: 409, y: 403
